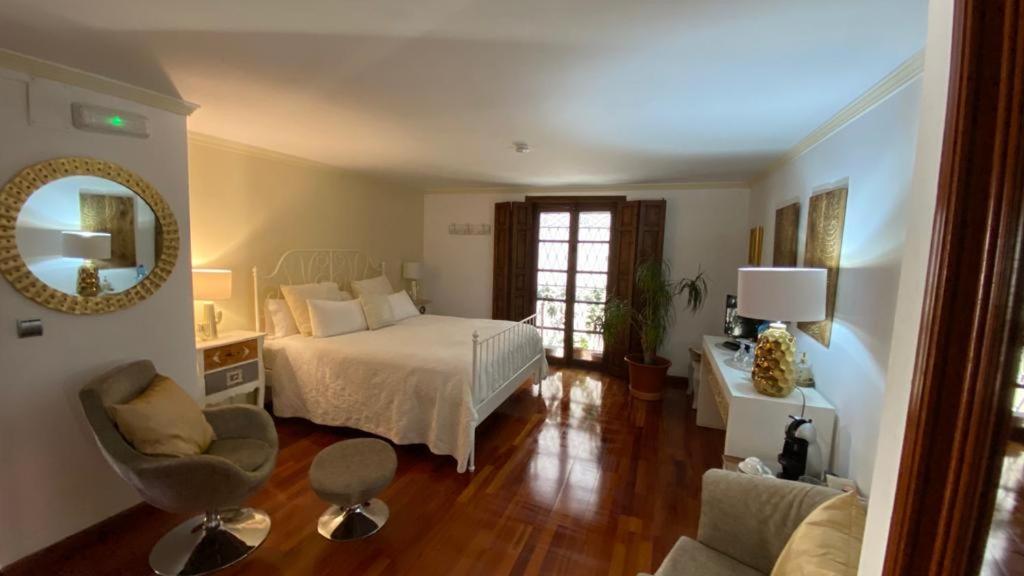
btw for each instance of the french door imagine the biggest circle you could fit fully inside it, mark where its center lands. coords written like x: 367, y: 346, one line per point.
x: 572, y: 263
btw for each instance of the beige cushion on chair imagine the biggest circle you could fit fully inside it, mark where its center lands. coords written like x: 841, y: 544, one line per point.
x: 163, y: 421
x: 828, y: 541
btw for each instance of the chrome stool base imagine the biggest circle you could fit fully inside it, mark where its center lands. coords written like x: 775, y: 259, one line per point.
x: 207, y: 543
x: 353, y: 523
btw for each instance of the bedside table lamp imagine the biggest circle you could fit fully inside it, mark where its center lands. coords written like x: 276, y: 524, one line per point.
x: 209, y: 284
x: 89, y: 246
x: 413, y: 272
x: 779, y: 295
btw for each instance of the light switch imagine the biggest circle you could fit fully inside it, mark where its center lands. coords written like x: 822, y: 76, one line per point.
x: 29, y: 328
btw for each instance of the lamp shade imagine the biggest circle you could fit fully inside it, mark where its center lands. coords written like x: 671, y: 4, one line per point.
x: 786, y: 294
x: 412, y: 270
x: 211, y: 284
x: 88, y: 245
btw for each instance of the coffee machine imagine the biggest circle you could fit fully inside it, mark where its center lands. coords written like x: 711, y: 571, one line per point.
x: 801, y: 455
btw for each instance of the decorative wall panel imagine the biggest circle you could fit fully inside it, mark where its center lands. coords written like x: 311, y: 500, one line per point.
x: 826, y: 216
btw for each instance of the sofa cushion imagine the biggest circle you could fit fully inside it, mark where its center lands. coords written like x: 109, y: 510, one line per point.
x: 751, y: 518
x: 163, y: 421
x: 689, y: 557
x: 246, y: 453
x: 828, y: 541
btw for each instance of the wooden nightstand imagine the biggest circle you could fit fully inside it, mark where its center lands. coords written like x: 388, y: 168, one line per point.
x: 231, y: 365
x: 421, y: 304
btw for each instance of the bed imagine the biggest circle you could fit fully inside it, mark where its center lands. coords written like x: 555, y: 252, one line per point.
x: 427, y: 379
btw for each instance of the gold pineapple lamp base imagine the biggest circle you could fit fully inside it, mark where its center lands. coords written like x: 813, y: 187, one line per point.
x: 774, y: 372
x: 88, y: 280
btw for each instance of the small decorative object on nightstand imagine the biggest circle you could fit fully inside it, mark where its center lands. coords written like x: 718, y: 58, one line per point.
x: 421, y: 304
x: 413, y: 271
x: 231, y: 365
x: 209, y: 284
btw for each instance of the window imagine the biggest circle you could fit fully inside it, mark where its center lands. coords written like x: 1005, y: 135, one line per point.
x: 572, y: 265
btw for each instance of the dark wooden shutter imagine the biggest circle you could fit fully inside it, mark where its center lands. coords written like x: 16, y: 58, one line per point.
x: 639, y: 236
x: 522, y: 291
x: 622, y: 265
x: 650, y: 231
x: 650, y: 244
x: 500, y: 293
x: 512, y: 296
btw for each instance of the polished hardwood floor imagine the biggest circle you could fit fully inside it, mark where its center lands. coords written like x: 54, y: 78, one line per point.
x: 1004, y: 551
x: 577, y: 479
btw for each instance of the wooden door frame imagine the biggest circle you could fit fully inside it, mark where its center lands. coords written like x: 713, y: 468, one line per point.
x: 574, y: 205
x: 958, y: 418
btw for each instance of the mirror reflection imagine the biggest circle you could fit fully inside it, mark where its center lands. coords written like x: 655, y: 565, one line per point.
x: 88, y: 236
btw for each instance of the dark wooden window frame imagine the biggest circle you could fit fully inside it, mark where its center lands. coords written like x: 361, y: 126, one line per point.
x: 958, y: 419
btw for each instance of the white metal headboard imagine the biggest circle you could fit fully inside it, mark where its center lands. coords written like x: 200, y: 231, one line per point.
x: 307, y: 265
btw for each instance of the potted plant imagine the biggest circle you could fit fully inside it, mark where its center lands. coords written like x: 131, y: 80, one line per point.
x: 652, y: 317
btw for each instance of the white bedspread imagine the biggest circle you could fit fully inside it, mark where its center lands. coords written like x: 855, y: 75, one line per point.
x: 410, y: 382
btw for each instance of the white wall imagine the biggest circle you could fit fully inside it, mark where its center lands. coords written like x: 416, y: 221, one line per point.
x: 704, y: 227
x: 54, y: 480
x: 913, y: 276
x: 277, y: 204
x: 874, y: 156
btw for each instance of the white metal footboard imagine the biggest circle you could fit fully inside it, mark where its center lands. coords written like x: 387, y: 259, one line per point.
x: 501, y: 362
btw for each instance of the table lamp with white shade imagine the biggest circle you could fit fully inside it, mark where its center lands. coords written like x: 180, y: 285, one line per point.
x: 208, y: 285
x: 779, y: 295
x: 88, y: 246
x: 413, y: 272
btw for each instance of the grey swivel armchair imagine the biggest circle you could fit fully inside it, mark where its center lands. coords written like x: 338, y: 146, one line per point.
x: 214, y: 484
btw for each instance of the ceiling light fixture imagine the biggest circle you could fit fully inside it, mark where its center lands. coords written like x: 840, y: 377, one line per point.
x: 521, y: 147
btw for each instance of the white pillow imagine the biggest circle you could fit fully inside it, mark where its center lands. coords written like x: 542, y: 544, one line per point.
x: 402, y: 306
x: 378, y: 285
x: 377, y: 308
x: 331, y: 318
x: 278, y: 321
x: 297, y: 295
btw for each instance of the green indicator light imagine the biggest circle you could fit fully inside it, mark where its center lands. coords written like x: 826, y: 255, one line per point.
x: 116, y: 121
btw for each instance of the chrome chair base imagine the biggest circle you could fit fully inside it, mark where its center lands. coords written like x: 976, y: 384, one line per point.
x: 353, y: 523
x: 207, y: 543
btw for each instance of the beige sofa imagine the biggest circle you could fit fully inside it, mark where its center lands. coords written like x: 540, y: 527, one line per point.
x: 744, y: 524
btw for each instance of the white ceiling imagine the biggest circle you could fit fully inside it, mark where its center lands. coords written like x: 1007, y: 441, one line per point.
x: 605, y: 91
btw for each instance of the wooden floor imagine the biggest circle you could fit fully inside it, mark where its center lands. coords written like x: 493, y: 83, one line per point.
x: 1004, y: 552
x: 576, y: 480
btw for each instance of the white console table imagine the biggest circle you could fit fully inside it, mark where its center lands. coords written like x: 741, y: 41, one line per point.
x: 754, y: 424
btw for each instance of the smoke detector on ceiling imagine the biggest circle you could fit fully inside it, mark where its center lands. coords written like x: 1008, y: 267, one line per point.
x: 521, y: 147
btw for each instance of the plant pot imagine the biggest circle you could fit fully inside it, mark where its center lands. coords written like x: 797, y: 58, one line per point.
x: 646, y: 381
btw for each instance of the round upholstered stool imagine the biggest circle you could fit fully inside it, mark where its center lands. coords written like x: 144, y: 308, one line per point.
x: 349, y: 474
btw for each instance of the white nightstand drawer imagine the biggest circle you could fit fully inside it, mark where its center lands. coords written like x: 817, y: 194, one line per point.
x: 230, y: 377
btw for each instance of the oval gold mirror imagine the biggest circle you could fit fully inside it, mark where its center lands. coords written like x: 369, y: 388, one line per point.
x: 85, y: 236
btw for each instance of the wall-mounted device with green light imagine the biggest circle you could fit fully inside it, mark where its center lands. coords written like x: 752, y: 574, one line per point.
x: 108, y: 120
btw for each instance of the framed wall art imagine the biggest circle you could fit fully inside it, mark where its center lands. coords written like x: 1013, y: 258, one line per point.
x: 826, y: 216
x: 787, y: 231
